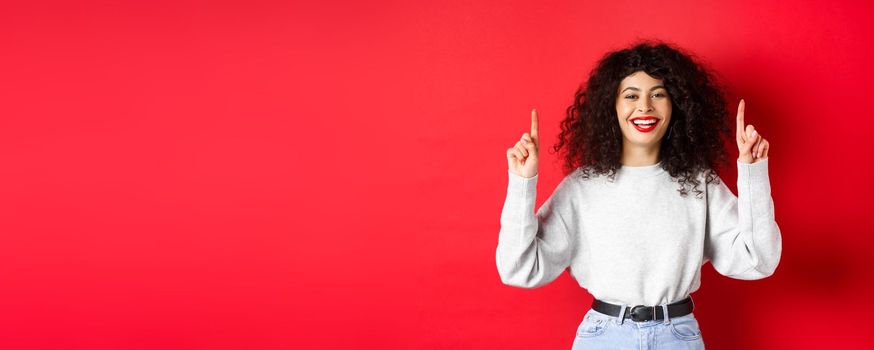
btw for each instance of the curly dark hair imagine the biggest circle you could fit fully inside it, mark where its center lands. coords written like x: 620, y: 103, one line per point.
x: 591, y: 138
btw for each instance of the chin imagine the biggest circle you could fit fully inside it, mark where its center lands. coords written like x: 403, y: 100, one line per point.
x: 647, y: 141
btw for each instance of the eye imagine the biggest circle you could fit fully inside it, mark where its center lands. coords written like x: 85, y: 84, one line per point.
x: 629, y: 97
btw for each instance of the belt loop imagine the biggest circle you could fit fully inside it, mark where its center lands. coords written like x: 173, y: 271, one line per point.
x: 622, y: 313
x: 667, y: 318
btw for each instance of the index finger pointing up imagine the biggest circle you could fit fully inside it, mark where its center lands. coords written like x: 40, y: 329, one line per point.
x: 740, y: 122
x: 534, y: 124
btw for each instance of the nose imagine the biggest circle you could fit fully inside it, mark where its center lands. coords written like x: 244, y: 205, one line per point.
x: 645, y: 106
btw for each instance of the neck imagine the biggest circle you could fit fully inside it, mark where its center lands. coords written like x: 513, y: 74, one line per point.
x: 634, y: 155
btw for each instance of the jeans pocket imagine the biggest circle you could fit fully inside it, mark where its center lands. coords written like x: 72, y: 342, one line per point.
x: 592, y: 325
x: 686, y: 328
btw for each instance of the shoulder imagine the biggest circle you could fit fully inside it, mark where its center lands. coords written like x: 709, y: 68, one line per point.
x: 578, y: 179
x: 571, y: 185
x: 710, y: 178
x: 717, y: 191
x: 704, y: 184
x: 579, y: 184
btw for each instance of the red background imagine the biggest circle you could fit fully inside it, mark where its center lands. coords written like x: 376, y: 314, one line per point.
x: 254, y: 175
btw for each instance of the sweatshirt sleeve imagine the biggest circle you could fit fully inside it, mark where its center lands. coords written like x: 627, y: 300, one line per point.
x: 743, y: 240
x: 534, y: 249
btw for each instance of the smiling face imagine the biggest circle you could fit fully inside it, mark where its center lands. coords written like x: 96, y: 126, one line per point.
x: 643, y: 99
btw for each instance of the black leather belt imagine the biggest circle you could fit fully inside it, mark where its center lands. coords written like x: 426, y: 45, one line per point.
x: 642, y: 313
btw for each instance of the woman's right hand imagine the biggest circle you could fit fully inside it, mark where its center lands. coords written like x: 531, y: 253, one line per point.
x: 522, y: 157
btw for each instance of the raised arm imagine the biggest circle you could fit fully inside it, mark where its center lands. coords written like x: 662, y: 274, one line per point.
x: 533, y: 249
x: 743, y: 240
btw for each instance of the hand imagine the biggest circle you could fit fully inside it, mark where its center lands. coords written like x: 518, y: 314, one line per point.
x: 522, y: 157
x: 752, y: 146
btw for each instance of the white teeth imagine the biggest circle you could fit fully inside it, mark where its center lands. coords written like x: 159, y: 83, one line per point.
x: 645, y: 122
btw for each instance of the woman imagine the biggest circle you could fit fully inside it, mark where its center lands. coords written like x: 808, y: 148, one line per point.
x: 641, y: 208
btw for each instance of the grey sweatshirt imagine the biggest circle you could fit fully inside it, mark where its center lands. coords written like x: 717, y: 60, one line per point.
x: 635, y: 240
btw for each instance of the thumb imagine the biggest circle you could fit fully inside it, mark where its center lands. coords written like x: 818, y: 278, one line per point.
x: 530, y: 145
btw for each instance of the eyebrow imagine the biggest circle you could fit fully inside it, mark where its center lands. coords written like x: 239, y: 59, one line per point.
x: 636, y: 89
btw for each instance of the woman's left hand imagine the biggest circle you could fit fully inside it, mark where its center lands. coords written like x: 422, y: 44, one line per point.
x: 752, y: 146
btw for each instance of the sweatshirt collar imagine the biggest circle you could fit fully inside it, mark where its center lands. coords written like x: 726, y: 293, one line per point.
x: 641, y: 171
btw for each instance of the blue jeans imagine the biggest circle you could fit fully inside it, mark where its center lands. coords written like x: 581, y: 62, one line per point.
x: 600, y: 331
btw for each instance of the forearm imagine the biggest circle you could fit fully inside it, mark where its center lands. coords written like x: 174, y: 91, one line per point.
x: 757, y: 220
x: 530, y: 253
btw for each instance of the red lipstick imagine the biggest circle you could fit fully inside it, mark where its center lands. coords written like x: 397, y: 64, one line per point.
x: 650, y: 124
